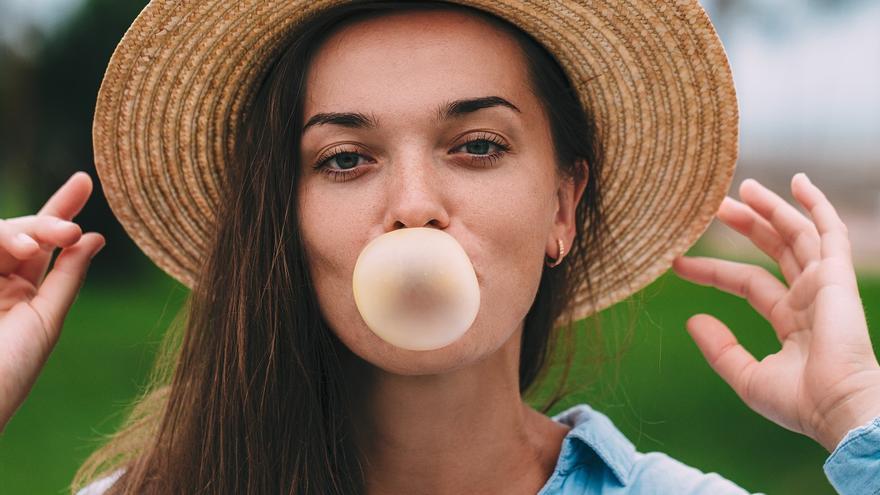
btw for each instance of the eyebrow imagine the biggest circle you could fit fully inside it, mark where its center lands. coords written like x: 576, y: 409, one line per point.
x: 453, y: 109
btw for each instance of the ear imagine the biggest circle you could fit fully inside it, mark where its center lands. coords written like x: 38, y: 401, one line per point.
x: 568, y: 196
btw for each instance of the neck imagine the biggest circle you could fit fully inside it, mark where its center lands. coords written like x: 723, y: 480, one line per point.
x: 464, y: 431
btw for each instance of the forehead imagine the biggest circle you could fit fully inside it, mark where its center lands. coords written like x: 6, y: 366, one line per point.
x: 403, y: 58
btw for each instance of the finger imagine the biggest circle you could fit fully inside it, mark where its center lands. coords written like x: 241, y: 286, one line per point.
x: 51, y: 232
x: 796, y: 230
x: 20, y: 236
x: 733, y: 363
x: 758, y: 286
x: 742, y: 218
x: 65, y: 203
x: 17, y: 246
x: 59, y: 290
x: 833, y: 232
x: 70, y: 198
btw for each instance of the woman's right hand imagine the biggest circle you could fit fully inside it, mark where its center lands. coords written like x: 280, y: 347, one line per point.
x: 33, y: 304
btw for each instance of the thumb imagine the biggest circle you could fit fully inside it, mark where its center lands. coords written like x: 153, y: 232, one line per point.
x: 63, y: 282
x: 722, y: 351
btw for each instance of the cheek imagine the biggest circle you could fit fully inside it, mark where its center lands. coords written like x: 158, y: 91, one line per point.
x: 333, y: 226
x: 328, y: 240
x: 513, y: 234
x: 334, y: 230
x: 516, y: 222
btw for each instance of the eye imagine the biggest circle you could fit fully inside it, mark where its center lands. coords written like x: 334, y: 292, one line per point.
x: 480, y: 146
x: 347, y: 159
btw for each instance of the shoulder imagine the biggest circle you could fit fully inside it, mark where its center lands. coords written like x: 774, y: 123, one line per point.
x: 101, y: 485
x: 597, y: 458
x: 659, y: 470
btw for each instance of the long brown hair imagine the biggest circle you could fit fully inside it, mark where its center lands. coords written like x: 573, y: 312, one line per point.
x: 257, y: 394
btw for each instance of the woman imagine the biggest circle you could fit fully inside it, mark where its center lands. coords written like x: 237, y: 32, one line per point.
x: 450, y: 119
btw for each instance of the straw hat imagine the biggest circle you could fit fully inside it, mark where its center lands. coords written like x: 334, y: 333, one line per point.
x: 653, y: 72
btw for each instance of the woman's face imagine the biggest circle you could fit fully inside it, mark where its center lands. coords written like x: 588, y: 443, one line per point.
x: 412, y: 165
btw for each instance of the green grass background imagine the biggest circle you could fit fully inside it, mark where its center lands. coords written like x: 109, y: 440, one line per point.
x: 666, y: 397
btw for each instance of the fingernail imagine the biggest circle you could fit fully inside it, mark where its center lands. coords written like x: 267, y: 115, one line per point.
x: 98, y: 250
x: 749, y: 179
x: 26, y: 239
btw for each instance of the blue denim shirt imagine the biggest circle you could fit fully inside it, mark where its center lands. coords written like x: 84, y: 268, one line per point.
x: 596, y: 458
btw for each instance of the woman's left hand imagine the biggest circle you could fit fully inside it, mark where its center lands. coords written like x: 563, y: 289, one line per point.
x: 825, y: 380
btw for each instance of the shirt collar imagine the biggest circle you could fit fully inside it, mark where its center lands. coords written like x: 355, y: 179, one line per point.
x: 593, y: 431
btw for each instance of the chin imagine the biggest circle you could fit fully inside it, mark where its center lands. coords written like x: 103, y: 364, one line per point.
x: 474, y: 346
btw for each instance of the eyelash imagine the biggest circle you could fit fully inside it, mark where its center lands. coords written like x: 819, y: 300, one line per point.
x: 344, y: 175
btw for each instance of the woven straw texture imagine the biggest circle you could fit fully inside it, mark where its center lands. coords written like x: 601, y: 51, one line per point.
x: 653, y: 72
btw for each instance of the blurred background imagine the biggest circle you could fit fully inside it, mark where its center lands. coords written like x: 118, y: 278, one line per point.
x: 806, y: 73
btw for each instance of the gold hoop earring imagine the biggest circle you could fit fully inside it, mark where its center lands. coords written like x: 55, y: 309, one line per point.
x: 559, y: 257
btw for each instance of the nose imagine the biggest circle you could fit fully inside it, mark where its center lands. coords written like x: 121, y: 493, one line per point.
x: 415, y: 196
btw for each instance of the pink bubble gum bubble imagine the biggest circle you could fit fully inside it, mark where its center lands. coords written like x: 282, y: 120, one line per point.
x: 416, y: 288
